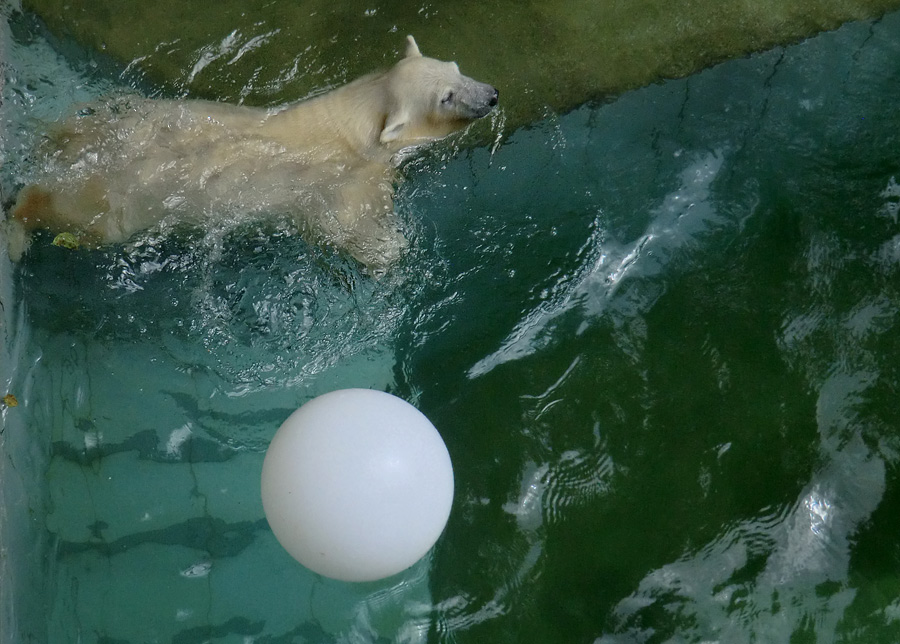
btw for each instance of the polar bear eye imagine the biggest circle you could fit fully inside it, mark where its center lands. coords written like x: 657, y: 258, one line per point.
x: 448, y: 98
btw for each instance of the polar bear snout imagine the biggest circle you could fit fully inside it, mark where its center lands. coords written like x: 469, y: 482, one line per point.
x: 483, y: 99
x: 493, y: 99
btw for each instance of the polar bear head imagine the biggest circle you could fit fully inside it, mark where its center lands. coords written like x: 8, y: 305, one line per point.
x: 429, y: 99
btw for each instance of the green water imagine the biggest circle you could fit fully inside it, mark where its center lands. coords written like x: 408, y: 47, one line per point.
x: 659, y: 337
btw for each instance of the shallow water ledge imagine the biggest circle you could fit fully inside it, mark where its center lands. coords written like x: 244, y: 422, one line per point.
x: 545, y: 56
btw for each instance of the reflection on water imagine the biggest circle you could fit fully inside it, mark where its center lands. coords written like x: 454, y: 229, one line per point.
x: 683, y: 216
x: 659, y: 337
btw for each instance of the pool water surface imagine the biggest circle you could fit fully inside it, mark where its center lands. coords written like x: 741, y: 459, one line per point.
x: 659, y: 336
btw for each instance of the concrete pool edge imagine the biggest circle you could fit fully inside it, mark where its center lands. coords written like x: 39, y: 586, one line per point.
x: 545, y: 58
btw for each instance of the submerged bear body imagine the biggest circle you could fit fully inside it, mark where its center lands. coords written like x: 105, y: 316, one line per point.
x: 327, y: 162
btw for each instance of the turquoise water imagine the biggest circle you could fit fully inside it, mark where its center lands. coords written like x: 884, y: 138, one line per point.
x: 659, y: 337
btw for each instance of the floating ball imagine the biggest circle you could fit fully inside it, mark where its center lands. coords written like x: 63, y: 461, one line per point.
x: 357, y: 485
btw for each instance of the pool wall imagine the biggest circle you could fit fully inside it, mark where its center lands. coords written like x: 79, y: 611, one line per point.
x: 24, y: 542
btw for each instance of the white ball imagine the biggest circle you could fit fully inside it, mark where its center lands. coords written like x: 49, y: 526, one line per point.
x: 357, y: 485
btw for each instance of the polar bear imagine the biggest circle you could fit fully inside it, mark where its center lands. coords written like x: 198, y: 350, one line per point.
x: 328, y: 162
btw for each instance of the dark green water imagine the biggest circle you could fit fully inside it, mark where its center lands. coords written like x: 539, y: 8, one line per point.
x: 659, y: 337
x: 670, y: 385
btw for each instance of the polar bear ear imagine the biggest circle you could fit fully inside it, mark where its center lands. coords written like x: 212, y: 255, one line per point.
x: 412, y: 49
x: 394, y: 125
